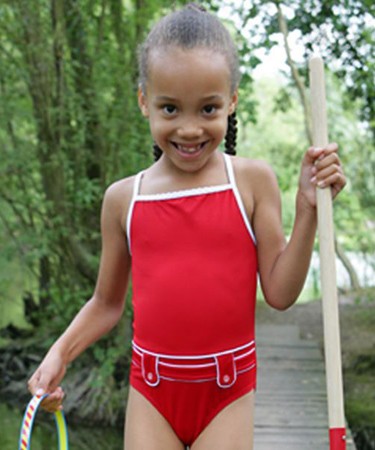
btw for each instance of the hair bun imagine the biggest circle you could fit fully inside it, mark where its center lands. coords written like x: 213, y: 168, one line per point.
x: 196, y: 7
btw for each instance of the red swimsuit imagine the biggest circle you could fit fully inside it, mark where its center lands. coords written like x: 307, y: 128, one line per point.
x: 194, y: 270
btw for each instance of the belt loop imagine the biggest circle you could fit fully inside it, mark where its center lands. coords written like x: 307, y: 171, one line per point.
x: 150, y: 369
x: 226, y: 373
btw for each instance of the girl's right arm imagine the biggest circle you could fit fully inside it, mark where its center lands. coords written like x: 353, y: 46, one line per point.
x: 102, y: 312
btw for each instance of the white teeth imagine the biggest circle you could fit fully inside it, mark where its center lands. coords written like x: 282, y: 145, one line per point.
x: 181, y: 148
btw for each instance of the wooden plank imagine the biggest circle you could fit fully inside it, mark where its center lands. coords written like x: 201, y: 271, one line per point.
x: 291, y: 400
x: 292, y: 353
x: 295, y: 435
x: 276, y: 333
x: 288, y: 364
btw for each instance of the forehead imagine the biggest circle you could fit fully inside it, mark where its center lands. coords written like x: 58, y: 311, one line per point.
x: 175, y: 71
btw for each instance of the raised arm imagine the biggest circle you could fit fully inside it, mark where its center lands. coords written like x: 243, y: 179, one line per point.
x: 283, y: 265
x: 102, y: 312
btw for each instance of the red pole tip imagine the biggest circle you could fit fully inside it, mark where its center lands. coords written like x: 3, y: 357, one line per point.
x: 337, y: 439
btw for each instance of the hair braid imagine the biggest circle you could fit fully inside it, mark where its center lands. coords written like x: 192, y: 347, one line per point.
x: 157, y: 151
x: 231, y: 136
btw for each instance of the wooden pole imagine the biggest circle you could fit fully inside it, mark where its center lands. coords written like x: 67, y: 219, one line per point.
x: 332, y: 346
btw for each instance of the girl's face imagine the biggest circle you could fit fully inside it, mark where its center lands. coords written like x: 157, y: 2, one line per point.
x: 187, y: 101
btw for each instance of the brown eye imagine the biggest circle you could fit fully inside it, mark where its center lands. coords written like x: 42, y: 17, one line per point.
x: 209, y: 110
x: 169, y: 109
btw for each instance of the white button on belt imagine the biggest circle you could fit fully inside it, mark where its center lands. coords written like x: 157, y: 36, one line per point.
x: 150, y: 376
x: 226, y: 378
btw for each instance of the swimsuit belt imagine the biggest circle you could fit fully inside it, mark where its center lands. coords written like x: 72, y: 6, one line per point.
x: 222, y: 367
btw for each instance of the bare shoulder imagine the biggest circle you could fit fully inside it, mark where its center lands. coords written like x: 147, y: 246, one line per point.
x: 117, y: 198
x: 252, y: 167
x: 120, y: 189
x: 254, y: 175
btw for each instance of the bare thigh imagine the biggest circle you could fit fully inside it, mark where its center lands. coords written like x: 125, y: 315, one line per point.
x: 146, y: 428
x: 231, y: 429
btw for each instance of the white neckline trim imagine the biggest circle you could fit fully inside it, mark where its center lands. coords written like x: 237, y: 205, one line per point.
x: 190, y: 193
x: 184, y: 193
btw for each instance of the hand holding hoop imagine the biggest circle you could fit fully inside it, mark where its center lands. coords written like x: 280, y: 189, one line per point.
x: 28, y: 421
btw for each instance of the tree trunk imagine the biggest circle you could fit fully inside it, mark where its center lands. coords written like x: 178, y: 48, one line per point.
x: 82, y: 65
x: 46, y: 87
x: 295, y: 75
x: 353, y: 277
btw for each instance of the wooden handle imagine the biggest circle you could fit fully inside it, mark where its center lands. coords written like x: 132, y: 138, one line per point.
x: 327, y: 256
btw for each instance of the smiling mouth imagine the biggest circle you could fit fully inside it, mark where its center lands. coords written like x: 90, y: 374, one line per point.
x: 189, y: 149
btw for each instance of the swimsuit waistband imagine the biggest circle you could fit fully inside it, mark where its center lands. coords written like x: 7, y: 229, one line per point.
x: 222, y: 366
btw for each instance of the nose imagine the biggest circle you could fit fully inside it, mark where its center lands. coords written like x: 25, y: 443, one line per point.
x: 189, y: 130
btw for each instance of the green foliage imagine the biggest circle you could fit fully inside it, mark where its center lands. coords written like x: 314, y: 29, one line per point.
x: 278, y: 138
x: 69, y: 126
x: 357, y: 405
x: 343, y: 31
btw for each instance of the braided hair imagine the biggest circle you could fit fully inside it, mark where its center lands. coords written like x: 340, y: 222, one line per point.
x: 187, y: 28
x: 231, y: 135
x: 157, y: 151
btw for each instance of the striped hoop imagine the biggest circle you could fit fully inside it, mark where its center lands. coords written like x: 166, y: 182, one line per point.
x: 28, y: 421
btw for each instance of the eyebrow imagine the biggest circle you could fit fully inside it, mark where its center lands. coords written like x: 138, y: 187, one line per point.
x: 209, y: 98
x: 164, y: 98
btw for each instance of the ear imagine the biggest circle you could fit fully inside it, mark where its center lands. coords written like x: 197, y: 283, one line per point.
x: 142, y: 102
x: 233, y: 102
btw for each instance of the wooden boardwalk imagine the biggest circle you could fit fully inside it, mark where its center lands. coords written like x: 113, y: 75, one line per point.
x: 291, y: 402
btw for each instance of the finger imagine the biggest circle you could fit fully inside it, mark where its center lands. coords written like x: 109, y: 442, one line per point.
x: 54, y: 400
x: 338, y: 185
x: 51, y: 406
x: 327, y: 150
x: 32, y: 383
x: 313, y: 153
x: 326, y: 161
x: 331, y: 177
x: 330, y: 148
x: 328, y: 176
x: 323, y: 176
x: 38, y: 384
x: 335, y: 180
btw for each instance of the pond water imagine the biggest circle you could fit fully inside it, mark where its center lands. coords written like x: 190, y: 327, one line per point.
x: 44, y: 435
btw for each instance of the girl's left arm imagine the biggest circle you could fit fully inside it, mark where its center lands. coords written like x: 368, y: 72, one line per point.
x: 283, y: 266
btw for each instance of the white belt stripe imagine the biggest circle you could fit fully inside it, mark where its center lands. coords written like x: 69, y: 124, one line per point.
x: 141, y: 350
x: 197, y: 366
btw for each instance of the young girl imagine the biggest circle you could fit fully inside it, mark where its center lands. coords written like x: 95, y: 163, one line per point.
x: 196, y: 228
